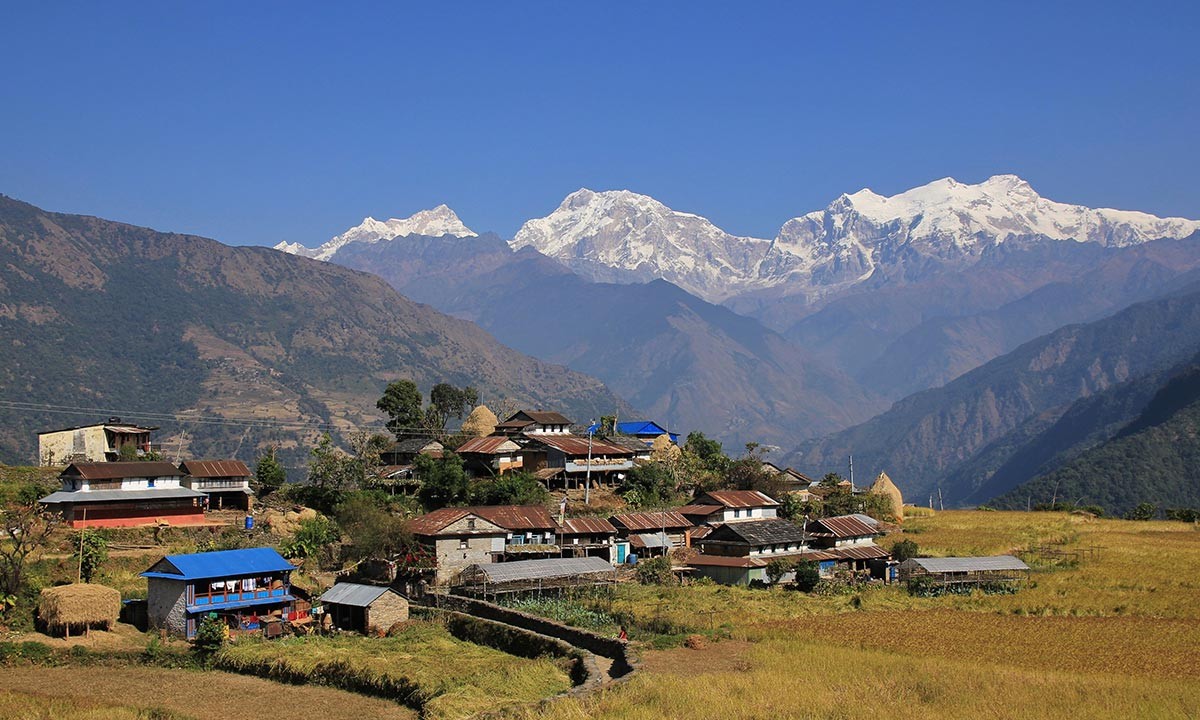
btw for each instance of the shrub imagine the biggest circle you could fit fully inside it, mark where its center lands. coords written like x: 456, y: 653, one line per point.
x: 312, y: 535
x: 1143, y: 511
x: 808, y: 574
x: 904, y: 550
x: 655, y: 571
x: 777, y: 568
x: 210, y: 637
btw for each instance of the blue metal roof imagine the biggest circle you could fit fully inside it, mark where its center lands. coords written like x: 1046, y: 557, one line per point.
x: 639, y: 427
x: 219, y: 564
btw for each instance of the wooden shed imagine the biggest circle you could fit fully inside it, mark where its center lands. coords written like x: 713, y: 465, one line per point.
x: 370, y: 609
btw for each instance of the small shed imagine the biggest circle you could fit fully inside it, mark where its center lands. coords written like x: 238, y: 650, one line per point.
x: 965, y: 570
x: 369, y: 609
x: 537, y: 575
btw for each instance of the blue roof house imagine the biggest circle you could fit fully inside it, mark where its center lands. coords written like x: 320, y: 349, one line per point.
x: 646, y: 430
x: 246, y: 588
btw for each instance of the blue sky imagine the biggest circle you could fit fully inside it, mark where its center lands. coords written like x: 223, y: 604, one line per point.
x: 256, y: 122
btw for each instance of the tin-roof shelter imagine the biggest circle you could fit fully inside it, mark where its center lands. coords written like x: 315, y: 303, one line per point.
x: 536, y: 575
x: 965, y: 570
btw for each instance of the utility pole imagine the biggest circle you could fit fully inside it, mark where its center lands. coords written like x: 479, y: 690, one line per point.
x: 587, y: 482
x: 851, y: 473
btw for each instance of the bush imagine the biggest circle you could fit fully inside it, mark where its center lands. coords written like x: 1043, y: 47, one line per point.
x: 1143, y: 511
x: 808, y: 575
x: 904, y: 550
x: 777, y: 568
x: 211, y: 636
x: 655, y: 571
x: 312, y: 535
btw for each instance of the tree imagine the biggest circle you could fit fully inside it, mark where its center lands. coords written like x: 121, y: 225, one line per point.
x: 312, y: 535
x: 373, y: 532
x: 608, y: 425
x: 91, y: 550
x: 516, y: 488
x: 831, y: 480
x: 365, y: 464
x: 443, y: 480
x: 904, y: 550
x: 808, y: 574
x: 330, y: 468
x: 655, y: 571
x: 707, y: 451
x: 481, y: 422
x: 777, y: 568
x: 446, y: 401
x: 401, y: 402
x: 649, y: 485
x: 25, y: 527
x: 211, y: 636
x: 269, y: 475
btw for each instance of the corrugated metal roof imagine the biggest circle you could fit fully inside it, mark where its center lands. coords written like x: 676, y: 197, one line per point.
x: 489, y: 445
x: 215, y: 468
x: 704, y: 510
x: 651, y: 521
x: 119, y: 427
x: 572, y: 445
x: 354, y: 594
x: 433, y: 522
x: 966, y: 564
x: 222, y: 563
x: 842, y: 526
x: 551, y: 568
x: 415, y: 446
x: 632, y: 444
x: 650, y: 540
x: 93, y: 496
x: 758, y: 532
x: 859, y: 552
x: 588, y: 526
x: 739, y: 498
x: 122, y: 470
x: 509, y: 517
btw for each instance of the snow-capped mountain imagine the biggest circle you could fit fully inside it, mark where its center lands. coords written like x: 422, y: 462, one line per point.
x: 437, y: 222
x: 623, y: 236
x: 947, y: 222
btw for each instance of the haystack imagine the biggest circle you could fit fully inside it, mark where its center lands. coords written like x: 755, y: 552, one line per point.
x: 79, y: 607
x: 883, y: 485
x: 480, y: 422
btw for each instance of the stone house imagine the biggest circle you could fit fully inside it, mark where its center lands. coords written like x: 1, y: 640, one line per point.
x: 369, y: 609
x: 99, y: 442
x: 457, y: 538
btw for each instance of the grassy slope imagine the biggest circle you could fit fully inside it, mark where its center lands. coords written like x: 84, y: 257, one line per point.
x: 1116, y: 637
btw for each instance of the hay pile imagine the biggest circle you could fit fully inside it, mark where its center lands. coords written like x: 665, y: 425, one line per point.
x: 883, y: 485
x: 79, y: 607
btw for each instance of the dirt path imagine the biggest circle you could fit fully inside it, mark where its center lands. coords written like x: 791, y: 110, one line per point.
x: 201, y: 695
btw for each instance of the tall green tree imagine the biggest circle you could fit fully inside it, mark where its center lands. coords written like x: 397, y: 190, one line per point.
x: 401, y: 402
x: 269, y: 475
x: 447, y: 401
x: 443, y: 480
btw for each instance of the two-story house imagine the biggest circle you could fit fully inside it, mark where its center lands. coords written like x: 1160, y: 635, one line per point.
x: 737, y: 553
x: 651, y: 534
x: 125, y: 494
x: 570, y: 457
x: 98, y: 442
x: 728, y: 506
x: 534, y: 422
x: 490, y: 456
x: 246, y: 588
x: 456, y: 538
x: 225, y: 482
x: 849, y: 539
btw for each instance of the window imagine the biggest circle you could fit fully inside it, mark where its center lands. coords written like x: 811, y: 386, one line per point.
x: 470, y: 523
x: 462, y: 544
x: 737, y: 513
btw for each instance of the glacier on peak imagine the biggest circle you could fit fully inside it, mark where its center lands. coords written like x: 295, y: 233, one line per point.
x: 619, y: 235
x: 434, y: 222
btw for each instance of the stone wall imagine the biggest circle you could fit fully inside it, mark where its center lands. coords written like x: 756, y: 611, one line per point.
x: 166, y: 605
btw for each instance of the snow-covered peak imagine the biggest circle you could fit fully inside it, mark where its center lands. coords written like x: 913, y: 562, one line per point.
x: 622, y: 235
x: 436, y: 222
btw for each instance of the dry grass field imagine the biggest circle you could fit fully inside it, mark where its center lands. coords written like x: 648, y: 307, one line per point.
x: 1114, y: 637
x: 104, y: 693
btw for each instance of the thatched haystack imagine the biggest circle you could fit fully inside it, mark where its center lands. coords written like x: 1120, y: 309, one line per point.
x: 481, y: 422
x: 883, y: 485
x: 79, y: 607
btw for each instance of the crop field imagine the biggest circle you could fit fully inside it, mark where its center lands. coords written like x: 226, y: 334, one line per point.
x: 1115, y: 636
x: 149, y: 693
x: 424, y: 666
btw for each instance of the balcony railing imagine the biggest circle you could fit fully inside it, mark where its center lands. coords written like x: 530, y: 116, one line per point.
x: 217, y: 598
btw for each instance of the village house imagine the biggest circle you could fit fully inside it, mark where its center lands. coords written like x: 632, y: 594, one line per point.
x: 248, y: 589
x: 225, y: 482
x: 738, y: 553
x: 493, y: 455
x: 645, y: 431
x: 729, y: 506
x: 456, y: 538
x: 405, y: 452
x: 792, y: 481
x: 368, y: 609
x: 99, y: 442
x: 651, y: 534
x: 639, y: 449
x: 848, y: 539
x: 591, y: 537
x: 567, y: 458
x: 534, y: 422
x: 125, y: 494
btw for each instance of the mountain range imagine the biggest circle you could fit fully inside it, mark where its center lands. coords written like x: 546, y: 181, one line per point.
x: 103, y: 317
